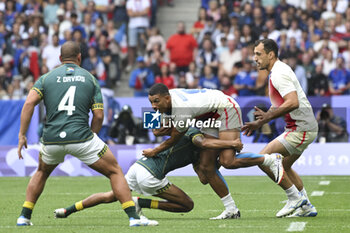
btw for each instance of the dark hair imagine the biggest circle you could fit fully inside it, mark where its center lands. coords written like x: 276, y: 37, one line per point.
x: 269, y: 45
x: 158, y: 88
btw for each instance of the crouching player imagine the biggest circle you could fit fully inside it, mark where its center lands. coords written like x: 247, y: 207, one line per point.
x: 147, y: 176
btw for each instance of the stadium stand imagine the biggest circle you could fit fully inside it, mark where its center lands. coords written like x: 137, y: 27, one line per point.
x: 317, y: 29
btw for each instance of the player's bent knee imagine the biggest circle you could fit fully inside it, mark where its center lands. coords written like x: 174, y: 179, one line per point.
x: 203, y: 180
x: 109, y: 197
x: 189, y: 206
x: 228, y: 163
x: 208, y: 171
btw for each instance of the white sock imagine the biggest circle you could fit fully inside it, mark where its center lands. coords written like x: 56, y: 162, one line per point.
x: 268, y: 159
x: 303, y: 191
x: 292, y: 193
x: 229, y: 203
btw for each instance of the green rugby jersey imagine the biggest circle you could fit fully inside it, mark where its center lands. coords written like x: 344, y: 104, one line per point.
x: 181, y: 154
x: 69, y: 92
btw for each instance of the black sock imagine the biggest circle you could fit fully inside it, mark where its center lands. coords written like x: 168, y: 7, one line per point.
x: 131, y: 212
x: 144, y: 203
x: 26, y: 212
x: 70, y: 210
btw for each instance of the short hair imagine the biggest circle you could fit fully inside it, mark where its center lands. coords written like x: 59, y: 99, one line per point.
x: 158, y: 88
x: 70, y: 50
x: 269, y: 45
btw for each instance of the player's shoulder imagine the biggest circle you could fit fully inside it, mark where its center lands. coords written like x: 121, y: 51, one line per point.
x: 281, y: 69
x: 52, y: 73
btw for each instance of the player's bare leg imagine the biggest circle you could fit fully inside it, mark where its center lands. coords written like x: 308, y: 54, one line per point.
x: 295, y: 199
x: 294, y: 177
x: 307, y: 210
x: 91, y: 201
x: 34, y: 189
x: 99, y: 198
x: 201, y: 176
x: 176, y: 200
x: 108, y: 166
x: 207, y: 167
x: 227, y: 156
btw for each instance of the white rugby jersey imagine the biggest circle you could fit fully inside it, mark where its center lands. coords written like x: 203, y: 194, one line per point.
x: 282, y: 80
x: 200, y: 104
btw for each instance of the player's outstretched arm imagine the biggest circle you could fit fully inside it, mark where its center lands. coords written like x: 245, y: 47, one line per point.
x: 210, y: 143
x: 174, y: 138
x: 32, y: 100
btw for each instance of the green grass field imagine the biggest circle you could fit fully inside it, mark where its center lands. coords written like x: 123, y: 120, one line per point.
x: 257, y: 198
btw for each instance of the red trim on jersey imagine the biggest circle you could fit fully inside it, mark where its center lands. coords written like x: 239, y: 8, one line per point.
x: 290, y: 122
x: 234, y: 106
x: 277, y: 100
x: 207, y: 115
x: 287, y: 134
x: 226, y: 118
x: 302, y: 141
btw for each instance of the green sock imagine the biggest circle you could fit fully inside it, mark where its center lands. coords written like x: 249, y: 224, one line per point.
x: 26, y: 212
x: 131, y: 212
x: 74, y: 208
x: 144, y: 203
x: 27, y: 209
x: 130, y: 209
x: 70, y: 210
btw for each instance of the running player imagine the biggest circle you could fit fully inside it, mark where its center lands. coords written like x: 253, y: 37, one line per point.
x: 288, y: 100
x: 148, y: 176
x: 204, y: 104
x: 69, y: 92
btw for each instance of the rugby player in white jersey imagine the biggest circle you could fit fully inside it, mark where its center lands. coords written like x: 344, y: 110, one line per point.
x: 183, y: 105
x: 288, y: 100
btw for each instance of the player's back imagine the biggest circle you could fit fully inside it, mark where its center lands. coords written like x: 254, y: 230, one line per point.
x: 196, y: 102
x: 181, y: 154
x: 69, y: 92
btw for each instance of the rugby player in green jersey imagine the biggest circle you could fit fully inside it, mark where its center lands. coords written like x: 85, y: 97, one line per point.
x: 69, y: 92
x: 147, y: 176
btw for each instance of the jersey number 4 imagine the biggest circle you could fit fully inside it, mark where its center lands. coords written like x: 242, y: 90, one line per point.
x: 67, y: 102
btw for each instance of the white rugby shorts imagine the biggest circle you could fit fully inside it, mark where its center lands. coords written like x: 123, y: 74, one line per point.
x: 88, y: 152
x: 230, y: 118
x: 296, y: 142
x: 142, y: 181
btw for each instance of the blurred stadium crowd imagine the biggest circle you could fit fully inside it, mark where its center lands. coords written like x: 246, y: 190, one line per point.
x: 120, y: 37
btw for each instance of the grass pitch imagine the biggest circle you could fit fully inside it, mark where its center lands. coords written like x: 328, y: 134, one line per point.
x: 258, y: 199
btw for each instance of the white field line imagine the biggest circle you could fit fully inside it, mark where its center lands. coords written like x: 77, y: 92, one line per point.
x: 324, y: 182
x: 317, y: 193
x: 296, y: 226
